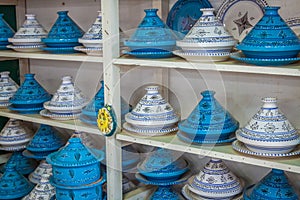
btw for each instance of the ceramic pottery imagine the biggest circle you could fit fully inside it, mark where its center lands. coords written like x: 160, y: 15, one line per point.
x: 93, y: 37
x: 163, y: 165
x: 14, y: 136
x: 152, y: 36
x: 64, y: 33
x: 274, y: 186
x: 13, y: 185
x: 215, y: 181
x: 43, y: 190
x: 22, y: 164
x: 153, y: 115
x: 209, y: 122
x: 45, y: 141
x: 75, y: 165
x: 30, y: 96
x: 207, y: 37
x: 30, y: 33
x: 5, y: 31
x: 8, y: 88
x: 271, y: 38
x: 165, y: 192
x: 269, y: 131
x: 68, y: 99
x: 43, y: 168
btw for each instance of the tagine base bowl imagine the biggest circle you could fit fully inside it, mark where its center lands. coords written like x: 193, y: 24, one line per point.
x: 59, y: 116
x: 148, y: 130
x: 27, y: 48
x: 200, y: 58
x: 90, y: 51
x: 35, y: 110
x: 149, y: 53
x: 183, y: 137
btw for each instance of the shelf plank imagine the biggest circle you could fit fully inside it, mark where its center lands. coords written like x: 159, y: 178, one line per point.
x: 8, y: 2
x: 77, y: 57
x: 225, y: 152
x: 226, y: 66
x: 76, y: 125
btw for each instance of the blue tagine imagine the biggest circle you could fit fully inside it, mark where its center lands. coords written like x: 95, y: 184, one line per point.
x: 270, y: 42
x: 45, y: 141
x: 30, y: 97
x: 209, y: 123
x: 63, y: 36
x: 76, y: 172
x: 274, y: 185
x: 152, y: 39
x: 163, y: 168
x: 13, y: 185
x: 5, y: 32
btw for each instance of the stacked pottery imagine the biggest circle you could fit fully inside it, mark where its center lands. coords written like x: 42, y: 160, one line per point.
x: 29, y: 97
x: 207, y: 40
x: 43, y: 169
x: 45, y: 141
x: 92, y: 39
x: 270, y: 42
x: 152, y: 116
x: 66, y: 103
x: 8, y: 88
x: 13, y: 185
x: 163, y: 168
x: 76, y: 172
x: 14, y: 136
x: 274, y: 185
x: 209, y: 123
x: 6, y: 32
x: 152, y: 39
x: 28, y: 37
x: 215, y: 181
x: 42, y: 191
x: 63, y: 36
x: 268, y: 133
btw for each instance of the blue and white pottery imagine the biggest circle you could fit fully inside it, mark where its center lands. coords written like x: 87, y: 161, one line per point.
x: 91, y: 51
x: 42, y: 191
x: 153, y: 115
x: 215, y: 181
x: 15, y: 136
x: 22, y: 164
x: 45, y: 141
x: 30, y: 33
x: 271, y: 38
x: 13, y: 185
x: 152, y: 35
x: 165, y: 193
x: 274, y: 185
x: 75, y: 165
x: 29, y: 97
x: 269, y: 131
x: 209, y: 122
x: 8, y: 88
x: 163, y: 165
x: 43, y: 168
x: 5, y: 32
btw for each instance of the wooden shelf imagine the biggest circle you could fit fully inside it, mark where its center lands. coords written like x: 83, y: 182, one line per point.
x: 228, y: 66
x: 225, y: 152
x: 77, y: 57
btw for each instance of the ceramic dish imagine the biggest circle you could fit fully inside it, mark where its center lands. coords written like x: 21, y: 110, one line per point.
x: 60, y: 50
x: 13, y: 148
x: 148, y: 130
x: 25, y: 41
x: 26, y: 110
x: 149, y: 53
x: 47, y: 113
x: 183, y: 136
x: 90, y: 51
x: 26, y: 49
x: 240, y: 147
x: 64, y: 109
x: 195, y: 57
x: 264, y: 61
x: 91, y: 43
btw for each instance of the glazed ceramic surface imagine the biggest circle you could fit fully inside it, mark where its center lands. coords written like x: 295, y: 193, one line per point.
x: 91, y: 51
x: 75, y: 165
x: 8, y: 88
x: 43, y: 168
x: 274, y: 185
x: 13, y: 185
x: 209, y: 121
x: 165, y: 192
x: 26, y: 48
x: 5, y: 31
x: 269, y: 131
x: 270, y: 38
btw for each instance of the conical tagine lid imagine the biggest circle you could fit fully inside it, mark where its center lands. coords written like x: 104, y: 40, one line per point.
x: 215, y: 181
x: 209, y: 121
x: 8, y: 88
x: 43, y: 168
x: 273, y: 186
x: 5, y: 32
x: 13, y: 185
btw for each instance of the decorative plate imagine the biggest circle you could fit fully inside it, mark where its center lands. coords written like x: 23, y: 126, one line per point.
x: 60, y: 50
x: 29, y: 48
x: 47, y: 113
x: 184, y: 14
x: 89, y: 51
x: 148, y: 130
x: 195, y: 57
x: 182, y: 136
x: 26, y: 110
x: 264, y: 61
x: 149, y: 54
x: 240, y: 16
x: 240, y: 147
x: 106, y: 120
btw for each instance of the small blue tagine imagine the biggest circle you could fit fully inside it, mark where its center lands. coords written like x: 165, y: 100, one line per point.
x: 152, y: 39
x: 208, y: 123
x: 274, y: 186
x: 5, y: 32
